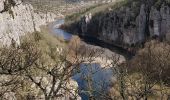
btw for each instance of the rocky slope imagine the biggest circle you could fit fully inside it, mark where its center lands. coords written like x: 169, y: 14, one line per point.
x: 18, y: 19
x: 130, y: 23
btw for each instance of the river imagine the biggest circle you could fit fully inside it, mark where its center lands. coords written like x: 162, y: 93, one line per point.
x: 100, y: 78
x: 54, y: 29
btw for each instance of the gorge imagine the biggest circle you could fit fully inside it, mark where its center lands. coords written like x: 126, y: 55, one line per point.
x: 108, y: 50
x: 100, y: 68
x: 20, y: 20
x: 130, y: 23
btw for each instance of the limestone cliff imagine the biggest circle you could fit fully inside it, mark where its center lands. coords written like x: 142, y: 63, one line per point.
x: 18, y: 19
x: 129, y: 24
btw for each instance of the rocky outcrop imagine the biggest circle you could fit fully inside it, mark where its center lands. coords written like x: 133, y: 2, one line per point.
x: 19, y: 19
x: 130, y: 24
x: 15, y: 21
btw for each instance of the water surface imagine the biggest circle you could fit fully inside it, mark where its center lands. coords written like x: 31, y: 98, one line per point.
x: 100, y: 78
x: 54, y: 27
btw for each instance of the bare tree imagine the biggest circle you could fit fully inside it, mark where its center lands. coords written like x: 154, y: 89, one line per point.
x: 146, y: 75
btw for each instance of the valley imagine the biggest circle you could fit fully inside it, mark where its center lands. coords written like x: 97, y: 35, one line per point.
x: 84, y: 50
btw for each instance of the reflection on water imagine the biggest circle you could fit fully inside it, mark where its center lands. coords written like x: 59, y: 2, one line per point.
x: 93, y: 76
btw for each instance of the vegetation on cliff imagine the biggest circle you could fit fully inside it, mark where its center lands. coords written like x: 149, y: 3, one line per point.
x: 125, y: 23
x: 42, y: 66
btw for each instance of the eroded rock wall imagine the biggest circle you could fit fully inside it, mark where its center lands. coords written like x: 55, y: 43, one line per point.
x: 128, y: 25
x: 20, y: 19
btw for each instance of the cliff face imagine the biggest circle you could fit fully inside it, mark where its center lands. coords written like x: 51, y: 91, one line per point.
x: 18, y: 19
x: 127, y: 25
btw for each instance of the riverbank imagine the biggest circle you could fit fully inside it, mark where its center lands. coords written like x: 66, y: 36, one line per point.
x: 98, y: 75
x: 99, y: 72
x: 97, y: 61
x: 90, y: 44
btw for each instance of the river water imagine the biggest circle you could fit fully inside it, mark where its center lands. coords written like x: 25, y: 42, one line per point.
x: 99, y: 78
x: 54, y: 28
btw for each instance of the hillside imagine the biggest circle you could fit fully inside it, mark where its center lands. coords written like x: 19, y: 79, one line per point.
x: 65, y: 7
